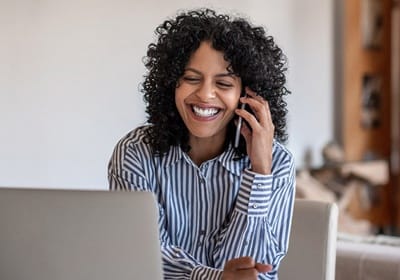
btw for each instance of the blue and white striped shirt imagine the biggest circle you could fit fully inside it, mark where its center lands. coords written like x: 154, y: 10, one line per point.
x: 210, y: 213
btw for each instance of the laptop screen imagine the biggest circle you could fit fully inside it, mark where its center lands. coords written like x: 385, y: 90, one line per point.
x: 69, y: 234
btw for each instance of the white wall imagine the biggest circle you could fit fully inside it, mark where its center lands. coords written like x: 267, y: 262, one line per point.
x: 70, y: 72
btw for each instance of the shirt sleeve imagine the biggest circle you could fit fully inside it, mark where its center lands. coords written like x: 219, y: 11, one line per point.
x: 260, y: 223
x: 126, y: 173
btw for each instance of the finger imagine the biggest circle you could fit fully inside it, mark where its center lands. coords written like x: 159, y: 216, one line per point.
x: 250, y: 92
x: 269, y: 117
x: 240, y: 263
x: 254, y: 95
x: 259, y: 107
x: 263, y: 268
x: 246, y: 132
x: 249, y: 273
x: 249, y: 118
x: 244, y: 274
x: 261, y: 100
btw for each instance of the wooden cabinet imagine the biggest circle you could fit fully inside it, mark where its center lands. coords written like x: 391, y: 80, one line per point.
x: 396, y: 107
x: 363, y: 93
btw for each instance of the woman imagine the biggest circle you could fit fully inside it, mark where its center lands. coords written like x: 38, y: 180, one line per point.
x: 225, y: 211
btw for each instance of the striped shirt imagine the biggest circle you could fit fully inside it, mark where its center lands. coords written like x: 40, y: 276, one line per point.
x: 211, y: 213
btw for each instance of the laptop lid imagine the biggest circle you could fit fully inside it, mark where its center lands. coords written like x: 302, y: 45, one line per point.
x: 80, y: 235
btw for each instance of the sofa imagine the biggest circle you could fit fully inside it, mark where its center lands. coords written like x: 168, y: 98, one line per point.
x: 367, y: 257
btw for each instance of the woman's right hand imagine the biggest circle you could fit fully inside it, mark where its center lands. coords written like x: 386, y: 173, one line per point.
x: 244, y: 268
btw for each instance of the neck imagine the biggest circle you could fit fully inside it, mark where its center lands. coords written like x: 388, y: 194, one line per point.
x: 202, y: 150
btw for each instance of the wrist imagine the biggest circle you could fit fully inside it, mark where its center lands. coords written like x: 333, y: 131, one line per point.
x: 261, y: 171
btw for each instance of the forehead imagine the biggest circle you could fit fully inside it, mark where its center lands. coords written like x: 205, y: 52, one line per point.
x: 208, y: 58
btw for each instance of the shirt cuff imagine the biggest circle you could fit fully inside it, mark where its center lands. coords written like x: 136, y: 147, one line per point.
x: 254, y: 193
x: 205, y: 273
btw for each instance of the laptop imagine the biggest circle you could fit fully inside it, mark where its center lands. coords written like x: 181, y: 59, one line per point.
x: 79, y: 235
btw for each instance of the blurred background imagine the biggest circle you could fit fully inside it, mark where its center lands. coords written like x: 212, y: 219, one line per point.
x: 70, y: 77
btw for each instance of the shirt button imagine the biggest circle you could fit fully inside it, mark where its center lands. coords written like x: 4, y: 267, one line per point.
x: 199, y: 244
x: 245, y: 243
x: 258, y: 186
x: 255, y: 205
x: 202, y: 232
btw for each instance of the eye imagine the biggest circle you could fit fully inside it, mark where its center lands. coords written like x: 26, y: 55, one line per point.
x: 191, y: 79
x: 224, y: 84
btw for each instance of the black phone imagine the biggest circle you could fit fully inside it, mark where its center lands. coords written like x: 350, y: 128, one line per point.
x: 238, y: 128
x: 239, y: 125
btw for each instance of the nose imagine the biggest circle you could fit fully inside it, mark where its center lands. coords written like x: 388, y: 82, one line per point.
x: 206, y: 91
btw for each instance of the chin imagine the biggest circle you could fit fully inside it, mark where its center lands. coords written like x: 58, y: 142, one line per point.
x: 206, y: 133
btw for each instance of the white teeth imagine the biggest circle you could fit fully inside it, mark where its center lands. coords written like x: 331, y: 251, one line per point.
x: 205, y: 112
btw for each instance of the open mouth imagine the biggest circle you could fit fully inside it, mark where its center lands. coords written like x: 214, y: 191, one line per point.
x: 205, y: 112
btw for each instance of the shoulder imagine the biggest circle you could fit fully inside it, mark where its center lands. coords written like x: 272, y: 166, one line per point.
x: 135, y: 137
x: 282, y: 160
x: 131, y: 162
x: 280, y: 153
x: 132, y: 146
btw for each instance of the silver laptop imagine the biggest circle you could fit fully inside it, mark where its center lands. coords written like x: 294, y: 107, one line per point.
x: 78, y: 235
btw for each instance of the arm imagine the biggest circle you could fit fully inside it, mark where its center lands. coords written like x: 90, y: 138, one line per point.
x: 262, y: 216
x: 127, y: 171
x: 260, y: 222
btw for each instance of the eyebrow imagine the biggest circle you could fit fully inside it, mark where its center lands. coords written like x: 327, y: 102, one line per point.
x: 227, y: 74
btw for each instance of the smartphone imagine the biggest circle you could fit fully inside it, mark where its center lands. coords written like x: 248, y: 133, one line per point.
x: 239, y: 127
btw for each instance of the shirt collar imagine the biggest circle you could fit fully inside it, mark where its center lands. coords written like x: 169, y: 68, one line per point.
x: 227, y: 159
x: 231, y: 162
x: 174, y: 154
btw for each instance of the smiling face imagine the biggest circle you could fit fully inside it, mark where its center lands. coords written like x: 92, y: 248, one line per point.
x: 207, y: 95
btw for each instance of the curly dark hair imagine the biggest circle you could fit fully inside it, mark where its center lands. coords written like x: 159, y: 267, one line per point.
x: 251, y: 54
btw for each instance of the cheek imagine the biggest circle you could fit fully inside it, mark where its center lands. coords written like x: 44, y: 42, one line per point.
x: 233, y: 102
x: 178, y: 95
x: 181, y: 93
x: 179, y: 101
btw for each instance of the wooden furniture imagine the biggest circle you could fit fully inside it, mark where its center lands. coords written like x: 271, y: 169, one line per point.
x: 396, y: 105
x: 363, y: 93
